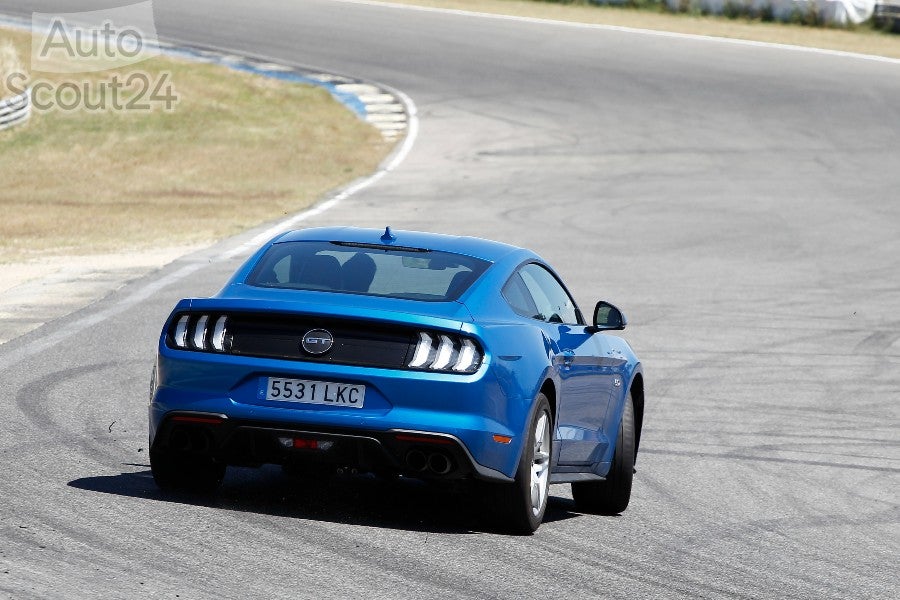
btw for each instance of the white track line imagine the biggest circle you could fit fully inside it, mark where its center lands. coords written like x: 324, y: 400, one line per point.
x: 619, y: 28
x: 146, y: 290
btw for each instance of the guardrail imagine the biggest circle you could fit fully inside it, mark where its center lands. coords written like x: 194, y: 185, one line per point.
x: 887, y: 14
x: 15, y: 110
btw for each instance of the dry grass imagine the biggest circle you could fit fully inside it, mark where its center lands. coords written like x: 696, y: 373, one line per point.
x: 236, y: 151
x: 9, y: 64
x: 862, y: 40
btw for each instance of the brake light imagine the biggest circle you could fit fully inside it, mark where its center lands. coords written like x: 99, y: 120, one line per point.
x: 218, y: 335
x: 192, y: 332
x: 423, y: 351
x: 468, y: 357
x: 199, y: 339
x: 180, y: 335
x: 446, y: 352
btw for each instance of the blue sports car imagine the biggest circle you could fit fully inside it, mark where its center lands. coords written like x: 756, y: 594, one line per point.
x: 400, y: 353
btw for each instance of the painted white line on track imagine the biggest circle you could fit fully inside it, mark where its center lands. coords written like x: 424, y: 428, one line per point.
x: 622, y: 29
x: 145, y: 291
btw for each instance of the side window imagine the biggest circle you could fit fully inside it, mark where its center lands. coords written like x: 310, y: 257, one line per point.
x: 282, y: 269
x: 553, y: 302
x: 518, y: 297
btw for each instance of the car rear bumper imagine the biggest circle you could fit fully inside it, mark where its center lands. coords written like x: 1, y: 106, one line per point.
x: 243, y: 442
x: 462, y: 416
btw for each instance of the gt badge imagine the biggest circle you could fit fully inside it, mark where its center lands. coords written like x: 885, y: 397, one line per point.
x: 317, y: 341
x: 617, y: 381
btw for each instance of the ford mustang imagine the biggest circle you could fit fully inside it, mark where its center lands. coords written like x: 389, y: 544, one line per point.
x: 400, y: 354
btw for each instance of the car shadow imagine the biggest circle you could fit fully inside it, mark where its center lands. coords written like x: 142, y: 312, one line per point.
x: 403, y: 504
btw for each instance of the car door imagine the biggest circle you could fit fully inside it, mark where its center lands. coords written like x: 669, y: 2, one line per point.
x: 585, y: 382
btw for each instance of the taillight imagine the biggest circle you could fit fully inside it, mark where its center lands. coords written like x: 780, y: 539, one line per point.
x: 200, y: 332
x: 199, y: 337
x: 468, y: 358
x: 445, y: 352
x: 218, y: 334
x: 423, y: 351
x: 180, y: 335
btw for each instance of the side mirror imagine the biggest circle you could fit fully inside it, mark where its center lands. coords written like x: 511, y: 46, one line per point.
x: 607, y: 318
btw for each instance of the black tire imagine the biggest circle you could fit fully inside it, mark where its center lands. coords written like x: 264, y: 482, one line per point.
x: 515, y: 511
x: 611, y: 497
x: 175, y: 473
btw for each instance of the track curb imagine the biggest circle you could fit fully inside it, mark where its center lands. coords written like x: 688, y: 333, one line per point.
x: 377, y: 104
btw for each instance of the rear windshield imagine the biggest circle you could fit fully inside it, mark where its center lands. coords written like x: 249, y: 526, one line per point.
x: 396, y: 272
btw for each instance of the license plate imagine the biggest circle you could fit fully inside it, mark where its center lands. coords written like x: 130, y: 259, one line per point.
x: 315, y: 392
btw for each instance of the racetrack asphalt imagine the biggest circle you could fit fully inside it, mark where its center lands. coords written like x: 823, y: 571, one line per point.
x: 736, y: 201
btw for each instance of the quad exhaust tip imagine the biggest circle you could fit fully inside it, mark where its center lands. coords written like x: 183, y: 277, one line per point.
x: 435, y: 462
x: 439, y: 463
x: 416, y: 460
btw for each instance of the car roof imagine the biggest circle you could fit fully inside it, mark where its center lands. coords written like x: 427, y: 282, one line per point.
x: 468, y: 246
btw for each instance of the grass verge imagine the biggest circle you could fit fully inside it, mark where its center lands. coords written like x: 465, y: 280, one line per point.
x: 9, y: 63
x: 863, y: 39
x: 235, y: 151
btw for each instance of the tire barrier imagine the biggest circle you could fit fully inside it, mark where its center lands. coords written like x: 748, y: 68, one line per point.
x: 15, y: 110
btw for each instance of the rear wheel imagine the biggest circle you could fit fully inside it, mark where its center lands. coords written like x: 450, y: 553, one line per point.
x: 178, y: 473
x: 520, y: 505
x: 611, y: 497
